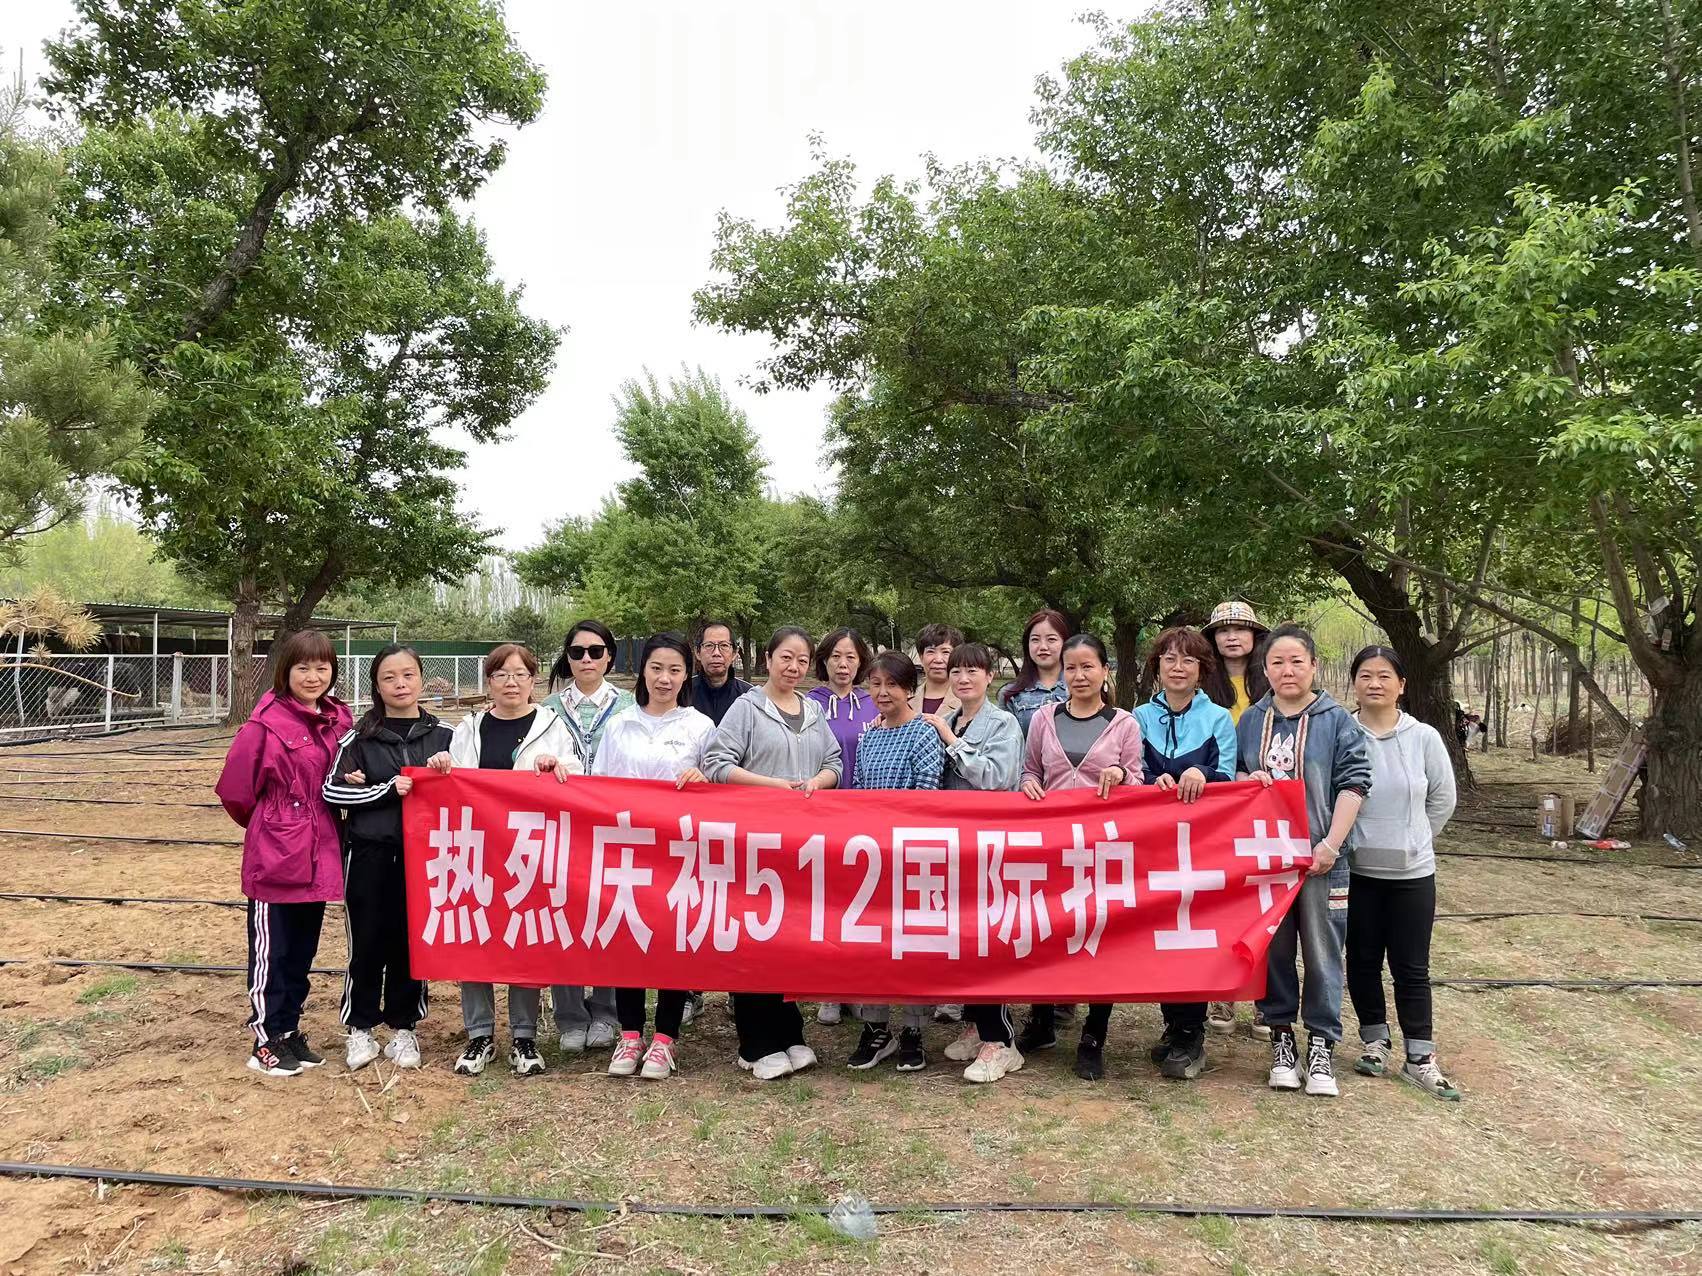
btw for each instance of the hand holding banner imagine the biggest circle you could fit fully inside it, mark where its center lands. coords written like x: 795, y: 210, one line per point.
x: 886, y: 896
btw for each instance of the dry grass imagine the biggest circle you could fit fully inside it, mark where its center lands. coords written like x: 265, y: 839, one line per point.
x: 1573, y: 1101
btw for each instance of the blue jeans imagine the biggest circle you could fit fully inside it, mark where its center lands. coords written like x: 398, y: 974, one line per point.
x: 581, y: 1007
x: 1317, y: 926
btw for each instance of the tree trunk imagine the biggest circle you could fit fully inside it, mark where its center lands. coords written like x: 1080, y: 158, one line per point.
x: 1672, y: 786
x: 245, y: 680
x: 1574, y: 687
x: 1126, y: 651
x: 220, y: 291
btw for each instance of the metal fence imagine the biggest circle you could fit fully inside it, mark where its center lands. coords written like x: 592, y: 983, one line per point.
x: 68, y: 693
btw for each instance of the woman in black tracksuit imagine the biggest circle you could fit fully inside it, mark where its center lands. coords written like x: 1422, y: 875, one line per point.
x: 366, y: 780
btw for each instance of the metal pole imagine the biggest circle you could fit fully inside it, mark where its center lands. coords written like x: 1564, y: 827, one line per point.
x: 154, y: 661
x: 176, y: 685
x: 109, y: 674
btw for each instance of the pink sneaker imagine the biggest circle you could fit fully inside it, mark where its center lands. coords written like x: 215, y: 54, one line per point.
x: 659, y: 1061
x: 624, y: 1062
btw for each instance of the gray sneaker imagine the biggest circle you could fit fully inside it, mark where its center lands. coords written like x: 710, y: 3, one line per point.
x: 1373, y: 1058
x: 1427, y: 1076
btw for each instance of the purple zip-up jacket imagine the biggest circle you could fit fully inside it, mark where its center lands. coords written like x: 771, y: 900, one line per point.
x: 272, y: 785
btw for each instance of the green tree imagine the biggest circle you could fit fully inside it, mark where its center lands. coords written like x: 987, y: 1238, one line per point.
x: 69, y: 407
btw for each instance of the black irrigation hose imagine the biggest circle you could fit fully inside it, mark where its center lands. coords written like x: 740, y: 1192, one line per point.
x: 36, y: 797
x: 199, y: 968
x: 104, y: 773
x: 242, y: 903
x: 1179, y: 1209
x: 1564, y: 859
x: 122, y: 837
x: 60, y: 784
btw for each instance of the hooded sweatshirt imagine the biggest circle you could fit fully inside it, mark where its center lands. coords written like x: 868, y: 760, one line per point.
x: 1045, y: 760
x: 1201, y: 735
x: 291, y: 851
x: 1337, y: 755
x: 645, y: 746
x: 1412, y: 796
x: 754, y: 736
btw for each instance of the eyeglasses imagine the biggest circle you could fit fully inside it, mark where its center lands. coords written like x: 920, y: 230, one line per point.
x: 715, y: 646
x: 596, y: 651
x: 511, y: 675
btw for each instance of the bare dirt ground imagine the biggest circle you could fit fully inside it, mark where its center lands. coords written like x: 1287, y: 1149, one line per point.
x: 1574, y: 1100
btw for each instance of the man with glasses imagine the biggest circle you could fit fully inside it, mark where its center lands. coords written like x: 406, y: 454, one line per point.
x: 716, y: 687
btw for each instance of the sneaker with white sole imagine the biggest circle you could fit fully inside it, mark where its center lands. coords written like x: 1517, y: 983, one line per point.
x: 1373, y: 1058
x: 802, y: 1057
x: 876, y: 1043
x: 1321, y: 1068
x: 952, y: 1013
x: 363, y: 1049
x: 599, y: 1036
x: 692, y: 1010
x: 659, y: 1062
x: 1285, y: 1060
x: 911, y: 1055
x: 771, y: 1067
x: 966, y: 1047
x: 1220, y: 1017
x: 1427, y: 1076
x: 624, y: 1061
x: 993, y: 1062
x: 524, y: 1058
x: 479, y: 1052
x: 305, y: 1054
x: 403, y: 1049
x: 1261, y: 1029
x: 573, y: 1041
x: 829, y: 1013
x: 273, y: 1059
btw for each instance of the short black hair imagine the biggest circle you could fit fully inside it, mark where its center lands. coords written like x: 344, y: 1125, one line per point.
x: 897, y: 666
x: 706, y: 626
x: 1374, y: 652
x: 938, y: 635
x: 971, y: 655
x: 562, y: 669
x: 670, y: 641
x: 824, y: 649
x: 1299, y: 633
x: 784, y: 634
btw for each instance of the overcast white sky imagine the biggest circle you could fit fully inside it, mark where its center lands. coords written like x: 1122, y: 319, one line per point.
x: 662, y: 112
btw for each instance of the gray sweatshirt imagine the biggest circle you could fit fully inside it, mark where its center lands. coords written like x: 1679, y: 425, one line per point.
x: 1412, y: 796
x: 754, y: 736
x: 988, y: 752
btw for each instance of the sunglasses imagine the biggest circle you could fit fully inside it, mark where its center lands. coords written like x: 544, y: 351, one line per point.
x: 596, y: 651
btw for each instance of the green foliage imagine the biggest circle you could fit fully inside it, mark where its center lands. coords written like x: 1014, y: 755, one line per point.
x: 103, y: 558
x: 69, y: 406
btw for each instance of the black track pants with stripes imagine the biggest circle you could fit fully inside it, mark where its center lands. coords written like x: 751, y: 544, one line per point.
x: 283, y: 940
x: 378, y: 988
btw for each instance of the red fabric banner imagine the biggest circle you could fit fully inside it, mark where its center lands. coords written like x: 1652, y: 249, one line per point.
x: 874, y: 897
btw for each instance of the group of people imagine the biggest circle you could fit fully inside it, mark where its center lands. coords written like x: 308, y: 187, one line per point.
x: 320, y: 798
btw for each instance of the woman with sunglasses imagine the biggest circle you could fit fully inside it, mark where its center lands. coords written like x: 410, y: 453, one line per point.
x: 512, y: 735
x: 582, y: 696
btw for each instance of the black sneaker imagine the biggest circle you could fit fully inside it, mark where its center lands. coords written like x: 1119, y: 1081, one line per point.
x: 875, y: 1044
x: 1163, y: 1045
x: 524, y: 1058
x: 273, y: 1059
x: 1035, y: 1037
x: 1090, y: 1058
x: 1187, y: 1056
x: 911, y: 1056
x: 297, y: 1045
x: 479, y: 1052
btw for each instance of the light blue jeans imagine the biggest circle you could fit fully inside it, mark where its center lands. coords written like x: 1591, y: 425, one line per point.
x: 1317, y: 927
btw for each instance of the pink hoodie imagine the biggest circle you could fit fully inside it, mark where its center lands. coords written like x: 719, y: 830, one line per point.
x: 1118, y: 745
x: 271, y: 785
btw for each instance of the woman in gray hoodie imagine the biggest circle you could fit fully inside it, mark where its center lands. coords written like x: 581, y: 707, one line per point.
x: 1293, y: 732
x: 774, y: 738
x: 1392, y: 896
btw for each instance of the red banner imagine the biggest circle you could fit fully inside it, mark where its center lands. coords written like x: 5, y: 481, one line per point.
x: 876, y: 897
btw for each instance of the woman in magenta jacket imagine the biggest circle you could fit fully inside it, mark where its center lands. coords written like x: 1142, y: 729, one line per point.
x: 1084, y: 742
x: 291, y: 853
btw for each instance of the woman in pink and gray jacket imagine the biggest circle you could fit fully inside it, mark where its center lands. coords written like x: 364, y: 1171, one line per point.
x: 1083, y: 743
x: 291, y: 853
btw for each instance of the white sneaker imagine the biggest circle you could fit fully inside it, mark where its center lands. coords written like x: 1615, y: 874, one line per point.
x: 772, y: 1066
x: 744, y: 1064
x: 966, y: 1047
x: 828, y: 1012
x: 1320, y: 1068
x: 600, y: 1036
x: 948, y: 1014
x: 692, y: 1010
x: 524, y: 1058
x: 363, y: 1048
x: 1285, y: 1062
x: 624, y: 1061
x: 403, y: 1049
x: 801, y: 1057
x: 659, y: 1061
x: 1220, y: 1017
x: 993, y: 1062
x: 1428, y: 1076
x: 573, y: 1041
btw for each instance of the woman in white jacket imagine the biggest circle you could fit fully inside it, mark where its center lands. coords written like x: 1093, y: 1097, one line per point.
x: 1392, y: 890
x: 661, y: 737
x: 512, y: 735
